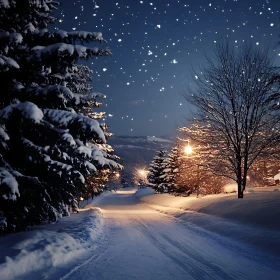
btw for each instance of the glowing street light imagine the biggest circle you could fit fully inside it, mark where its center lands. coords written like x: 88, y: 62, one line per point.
x: 142, y: 172
x: 141, y: 178
x: 188, y: 150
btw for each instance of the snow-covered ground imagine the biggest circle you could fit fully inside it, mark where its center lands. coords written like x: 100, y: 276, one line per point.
x: 49, y: 250
x: 134, y: 234
x: 253, y: 220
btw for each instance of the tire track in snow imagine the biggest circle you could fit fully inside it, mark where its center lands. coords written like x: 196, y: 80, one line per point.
x: 195, y: 255
x: 195, y: 259
x: 193, y: 269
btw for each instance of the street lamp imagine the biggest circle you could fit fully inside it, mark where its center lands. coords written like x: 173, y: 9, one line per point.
x: 142, y: 177
x: 188, y: 150
x: 142, y: 172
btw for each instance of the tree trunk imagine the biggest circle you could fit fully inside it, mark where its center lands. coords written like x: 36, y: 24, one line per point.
x: 239, y: 180
x: 240, y: 190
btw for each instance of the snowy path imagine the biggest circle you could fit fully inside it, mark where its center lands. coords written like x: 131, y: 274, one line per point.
x: 141, y: 243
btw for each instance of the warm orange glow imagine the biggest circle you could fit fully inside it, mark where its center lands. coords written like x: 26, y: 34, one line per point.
x: 188, y: 150
x: 117, y: 175
x: 142, y: 172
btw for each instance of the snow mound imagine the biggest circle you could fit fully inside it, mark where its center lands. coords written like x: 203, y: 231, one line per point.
x: 45, y: 249
x: 57, y: 245
x: 144, y: 192
x: 229, y: 188
x: 277, y: 176
x: 260, y: 209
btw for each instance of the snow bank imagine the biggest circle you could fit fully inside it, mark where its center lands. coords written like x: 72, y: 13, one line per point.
x: 229, y: 188
x: 144, y: 192
x: 277, y: 176
x: 26, y: 254
x: 261, y: 209
x: 42, y: 250
x: 249, y: 220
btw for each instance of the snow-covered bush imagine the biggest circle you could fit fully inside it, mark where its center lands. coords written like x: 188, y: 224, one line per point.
x: 230, y: 188
x: 52, y: 147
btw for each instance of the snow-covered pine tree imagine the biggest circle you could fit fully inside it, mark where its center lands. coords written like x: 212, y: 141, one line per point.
x: 126, y: 180
x: 156, y: 171
x: 170, y: 172
x: 50, y: 141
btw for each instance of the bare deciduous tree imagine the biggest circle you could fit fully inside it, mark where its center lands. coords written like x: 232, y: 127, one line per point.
x: 237, y: 117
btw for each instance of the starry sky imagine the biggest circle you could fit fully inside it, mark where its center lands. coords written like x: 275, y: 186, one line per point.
x: 155, y: 45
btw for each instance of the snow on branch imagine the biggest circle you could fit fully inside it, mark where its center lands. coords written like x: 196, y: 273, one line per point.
x: 6, y: 37
x: 81, y: 125
x: 4, y: 4
x: 56, y: 90
x: 53, y: 166
x: 28, y: 110
x: 8, y: 185
x: 83, y: 35
x: 63, y: 97
x: 8, y: 62
x: 70, y: 37
x: 69, y: 139
x: 77, y: 51
x: 96, y: 154
x: 100, y: 155
x: 82, y: 98
x: 3, y: 135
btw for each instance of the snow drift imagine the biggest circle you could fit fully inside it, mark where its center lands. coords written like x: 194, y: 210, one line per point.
x: 49, y: 246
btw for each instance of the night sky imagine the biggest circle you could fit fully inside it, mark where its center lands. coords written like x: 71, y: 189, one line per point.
x: 155, y: 44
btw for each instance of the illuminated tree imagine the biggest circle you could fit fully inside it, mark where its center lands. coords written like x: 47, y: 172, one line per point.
x: 263, y: 171
x: 237, y: 117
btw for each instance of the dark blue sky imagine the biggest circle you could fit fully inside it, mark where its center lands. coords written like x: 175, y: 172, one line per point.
x: 155, y: 43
